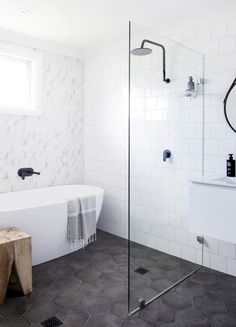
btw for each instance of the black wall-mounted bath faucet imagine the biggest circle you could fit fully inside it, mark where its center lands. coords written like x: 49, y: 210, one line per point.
x: 25, y: 172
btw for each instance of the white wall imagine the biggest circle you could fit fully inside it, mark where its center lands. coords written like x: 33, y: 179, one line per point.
x: 106, y: 88
x: 214, y: 35
x: 162, y: 117
x: 54, y: 142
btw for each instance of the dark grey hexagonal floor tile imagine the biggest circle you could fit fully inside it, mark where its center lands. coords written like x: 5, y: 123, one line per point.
x: 14, y: 321
x: 171, y: 324
x: 96, y: 304
x: 161, y: 284
x: 65, y: 284
x: 117, y: 292
x: 104, y: 320
x: 190, y: 288
x: 169, y: 265
x: 231, y: 306
x: 47, y: 294
x: 138, y: 251
x: 106, y: 265
x: 96, y: 248
x: 92, y: 288
x: 64, y: 269
x: 159, y: 314
x: 100, y: 256
x: 136, y: 322
x: 226, y: 280
x: 137, y: 280
x: 120, y: 259
x: 72, y: 318
x: 221, y: 291
x: 113, y: 250
x: 82, y: 263
x: 122, y: 269
x: 43, y: 280
x: 204, y: 278
x: 176, y: 300
x: 69, y: 300
x: 224, y: 320
x: 120, y: 309
x: 146, y: 293
x: 144, y: 262
x: 186, y: 267
x: 88, y: 283
x: 87, y: 274
x: 15, y: 306
x: 175, y: 276
x: 191, y: 317
x: 41, y: 311
x: 81, y: 254
x: 208, y: 305
x: 46, y: 268
x: 155, y: 272
x: 111, y: 277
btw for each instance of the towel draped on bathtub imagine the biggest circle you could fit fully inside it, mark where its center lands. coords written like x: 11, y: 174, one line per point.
x: 82, y: 220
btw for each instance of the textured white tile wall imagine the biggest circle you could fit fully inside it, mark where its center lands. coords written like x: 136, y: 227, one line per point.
x: 162, y: 203
x: 54, y: 142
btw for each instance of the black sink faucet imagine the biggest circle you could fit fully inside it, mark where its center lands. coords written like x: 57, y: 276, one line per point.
x: 24, y: 172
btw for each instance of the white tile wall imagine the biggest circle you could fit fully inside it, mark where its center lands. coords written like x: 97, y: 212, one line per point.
x: 218, y: 262
x: 227, y: 249
x: 54, y: 142
x: 169, y: 120
x: 106, y: 132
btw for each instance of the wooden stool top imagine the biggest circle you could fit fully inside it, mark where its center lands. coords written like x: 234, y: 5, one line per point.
x: 11, y: 234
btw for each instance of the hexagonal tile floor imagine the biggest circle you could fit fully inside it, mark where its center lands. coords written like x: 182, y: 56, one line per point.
x: 88, y: 288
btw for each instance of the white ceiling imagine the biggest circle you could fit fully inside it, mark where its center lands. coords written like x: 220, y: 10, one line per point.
x: 83, y: 23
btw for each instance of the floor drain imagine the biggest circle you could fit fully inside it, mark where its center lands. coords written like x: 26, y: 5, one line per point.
x: 51, y: 322
x: 141, y: 271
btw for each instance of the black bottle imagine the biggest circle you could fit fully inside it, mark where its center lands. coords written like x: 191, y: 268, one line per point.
x: 230, y: 166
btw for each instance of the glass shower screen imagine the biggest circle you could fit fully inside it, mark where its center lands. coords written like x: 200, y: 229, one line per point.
x: 166, y: 114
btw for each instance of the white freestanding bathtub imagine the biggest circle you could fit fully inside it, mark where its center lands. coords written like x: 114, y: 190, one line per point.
x: 42, y: 213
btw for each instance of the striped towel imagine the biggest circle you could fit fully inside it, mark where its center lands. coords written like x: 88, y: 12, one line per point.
x: 82, y: 220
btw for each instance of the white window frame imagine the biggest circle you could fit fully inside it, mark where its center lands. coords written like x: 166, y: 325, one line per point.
x: 15, y: 52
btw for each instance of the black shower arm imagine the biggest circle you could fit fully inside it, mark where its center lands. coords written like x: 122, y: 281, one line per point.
x: 167, y: 80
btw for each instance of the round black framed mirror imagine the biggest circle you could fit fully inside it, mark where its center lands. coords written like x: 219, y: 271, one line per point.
x: 230, y: 106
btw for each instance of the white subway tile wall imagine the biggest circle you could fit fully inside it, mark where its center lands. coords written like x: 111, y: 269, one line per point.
x: 160, y: 190
x: 54, y: 142
x: 166, y: 119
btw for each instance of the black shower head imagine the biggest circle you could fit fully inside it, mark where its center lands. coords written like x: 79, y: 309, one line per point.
x: 141, y: 51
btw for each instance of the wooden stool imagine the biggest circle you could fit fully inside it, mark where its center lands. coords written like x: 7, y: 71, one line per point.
x: 16, y: 258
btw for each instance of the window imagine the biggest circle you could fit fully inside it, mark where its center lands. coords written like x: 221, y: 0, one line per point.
x: 20, y: 80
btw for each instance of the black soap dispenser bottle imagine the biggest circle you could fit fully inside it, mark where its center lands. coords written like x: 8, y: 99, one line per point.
x: 230, y: 166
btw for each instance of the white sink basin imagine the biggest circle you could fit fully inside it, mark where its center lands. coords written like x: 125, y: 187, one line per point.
x: 213, y: 208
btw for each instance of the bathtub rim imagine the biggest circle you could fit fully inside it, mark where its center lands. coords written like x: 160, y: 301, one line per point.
x: 99, y: 193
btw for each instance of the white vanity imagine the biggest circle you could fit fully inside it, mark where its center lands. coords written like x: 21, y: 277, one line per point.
x: 213, y: 208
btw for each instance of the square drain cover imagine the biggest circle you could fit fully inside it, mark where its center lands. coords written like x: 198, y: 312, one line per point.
x: 51, y: 322
x: 141, y: 271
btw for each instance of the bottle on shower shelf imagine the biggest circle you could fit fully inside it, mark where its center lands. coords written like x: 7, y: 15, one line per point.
x: 230, y: 166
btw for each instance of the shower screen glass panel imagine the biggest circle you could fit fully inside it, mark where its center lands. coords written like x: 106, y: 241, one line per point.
x: 166, y: 151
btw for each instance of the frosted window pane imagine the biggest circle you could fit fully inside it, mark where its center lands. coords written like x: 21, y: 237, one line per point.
x: 14, y: 83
